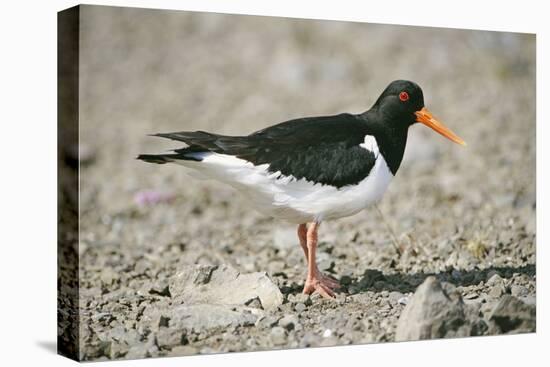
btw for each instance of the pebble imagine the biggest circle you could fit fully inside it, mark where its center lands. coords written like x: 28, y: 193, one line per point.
x: 289, y: 322
x: 330, y: 341
x: 519, y: 291
x: 394, y: 296
x: 493, y: 277
x: 267, y: 321
x: 300, y: 298
x: 403, y: 300
x: 278, y: 335
x: 184, y: 350
x: 497, y: 291
x: 299, y: 307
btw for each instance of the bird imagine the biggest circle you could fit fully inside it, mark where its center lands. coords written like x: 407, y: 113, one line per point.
x: 312, y: 169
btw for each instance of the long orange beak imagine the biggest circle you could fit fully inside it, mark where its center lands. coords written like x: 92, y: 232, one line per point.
x: 424, y: 116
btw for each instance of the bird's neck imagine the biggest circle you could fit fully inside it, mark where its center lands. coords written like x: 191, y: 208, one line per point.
x: 391, y: 137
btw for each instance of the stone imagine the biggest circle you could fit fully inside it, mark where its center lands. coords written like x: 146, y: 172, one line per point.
x: 329, y: 341
x: 394, y: 297
x: 278, y: 335
x: 255, y: 303
x: 223, y: 285
x: 511, y: 315
x: 519, y: 291
x: 164, y: 321
x: 432, y: 313
x: 184, y: 350
x: 168, y: 338
x: 497, y: 291
x: 267, y: 321
x: 529, y: 300
x: 403, y: 301
x: 299, y: 307
x: 289, y: 322
x: 300, y: 298
x: 493, y: 278
x: 160, y: 289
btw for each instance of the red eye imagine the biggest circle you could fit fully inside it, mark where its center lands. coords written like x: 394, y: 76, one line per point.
x: 404, y: 96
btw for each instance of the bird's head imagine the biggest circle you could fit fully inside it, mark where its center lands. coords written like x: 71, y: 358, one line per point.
x: 402, y: 103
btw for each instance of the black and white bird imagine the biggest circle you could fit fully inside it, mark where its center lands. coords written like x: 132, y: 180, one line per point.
x: 312, y: 169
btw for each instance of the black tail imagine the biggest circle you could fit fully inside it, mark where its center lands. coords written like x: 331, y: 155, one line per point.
x: 198, y: 142
x: 155, y: 158
x: 179, y: 154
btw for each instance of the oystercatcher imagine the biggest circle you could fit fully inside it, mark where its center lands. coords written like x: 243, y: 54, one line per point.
x: 312, y: 169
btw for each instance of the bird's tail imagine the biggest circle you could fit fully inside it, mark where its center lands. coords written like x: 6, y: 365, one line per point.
x: 156, y: 158
x: 178, y: 155
x: 199, y: 143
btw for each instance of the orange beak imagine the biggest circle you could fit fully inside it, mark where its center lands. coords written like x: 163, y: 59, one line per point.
x: 424, y: 116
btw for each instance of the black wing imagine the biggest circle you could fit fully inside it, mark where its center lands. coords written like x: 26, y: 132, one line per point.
x: 320, y: 149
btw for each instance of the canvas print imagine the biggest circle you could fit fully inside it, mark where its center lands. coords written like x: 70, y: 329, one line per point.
x: 236, y: 183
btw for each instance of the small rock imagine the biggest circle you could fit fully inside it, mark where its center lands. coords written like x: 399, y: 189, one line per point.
x: 519, y: 291
x: 403, y: 300
x: 300, y: 298
x: 109, y: 276
x: 511, y: 315
x: 497, y: 291
x: 160, y: 291
x: 278, y: 335
x: 168, y: 338
x: 289, y: 322
x: 300, y: 307
x: 254, y: 303
x: 529, y: 300
x: 184, y: 350
x: 493, y: 277
x: 470, y: 295
x: 267, y: 321
x: 394, y: 297
x: 329, y: 341
x: 164, y: 321
x: 327, y: 333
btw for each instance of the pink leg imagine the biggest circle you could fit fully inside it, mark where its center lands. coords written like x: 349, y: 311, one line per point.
x: 315, y: 280
x: 302, y: 235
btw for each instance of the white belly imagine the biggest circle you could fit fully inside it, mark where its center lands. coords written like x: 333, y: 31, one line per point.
x: 296, y: 201
x: 318, y: 202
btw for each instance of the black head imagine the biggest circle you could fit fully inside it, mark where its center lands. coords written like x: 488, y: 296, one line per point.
x: 399, y: 102
x: 402, y: 104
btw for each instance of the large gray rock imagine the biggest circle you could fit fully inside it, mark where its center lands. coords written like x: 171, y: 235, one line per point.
x: 432, y: 313
x: 511, y: 315
x: 223, y: 285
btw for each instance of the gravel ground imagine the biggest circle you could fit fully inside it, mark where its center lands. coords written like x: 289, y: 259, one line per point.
x: 170, y: 265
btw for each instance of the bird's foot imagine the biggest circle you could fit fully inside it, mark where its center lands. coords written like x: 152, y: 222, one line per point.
x: 322, y: 284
